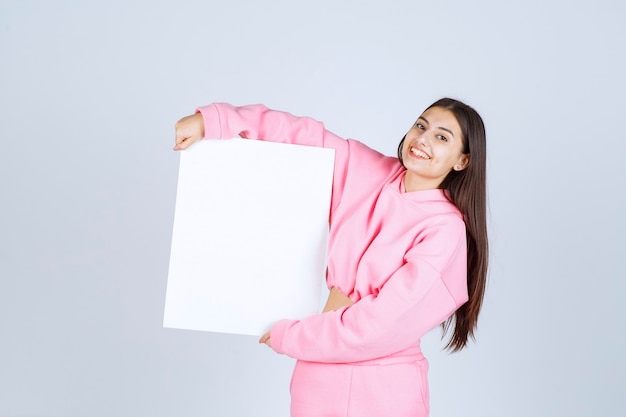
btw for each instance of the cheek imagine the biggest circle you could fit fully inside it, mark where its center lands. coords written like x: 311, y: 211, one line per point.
x: 455, y: 155
x: 450, y: 159
x: 405, y: 146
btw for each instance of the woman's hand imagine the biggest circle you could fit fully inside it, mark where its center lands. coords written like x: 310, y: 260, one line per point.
x: 266, y: 339
x: 189, y: 130
x: 336, y: 300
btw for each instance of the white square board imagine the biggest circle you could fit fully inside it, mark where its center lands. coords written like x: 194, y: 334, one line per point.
x: 250, y: 235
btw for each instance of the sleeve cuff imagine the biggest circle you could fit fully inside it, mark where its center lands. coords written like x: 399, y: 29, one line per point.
x: 277, y: 335
x: 212, y: 122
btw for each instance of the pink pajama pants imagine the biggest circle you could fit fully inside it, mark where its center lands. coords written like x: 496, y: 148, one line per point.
x: 348, y: 390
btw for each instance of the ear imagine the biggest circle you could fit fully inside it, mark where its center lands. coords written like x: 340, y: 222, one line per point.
x: 463, y: 162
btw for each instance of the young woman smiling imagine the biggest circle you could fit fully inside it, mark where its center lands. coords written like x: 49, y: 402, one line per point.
x: 407, y: 252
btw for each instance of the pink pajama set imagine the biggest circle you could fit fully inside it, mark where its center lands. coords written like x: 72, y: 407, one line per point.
x: 400, y: 256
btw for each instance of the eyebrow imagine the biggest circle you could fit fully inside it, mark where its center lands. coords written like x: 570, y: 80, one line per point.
x: 439, y: 127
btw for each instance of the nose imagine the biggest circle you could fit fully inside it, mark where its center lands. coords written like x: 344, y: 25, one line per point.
x: 422, y: 139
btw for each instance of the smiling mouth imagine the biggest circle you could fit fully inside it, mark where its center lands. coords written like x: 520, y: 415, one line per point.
x: 419, y: 153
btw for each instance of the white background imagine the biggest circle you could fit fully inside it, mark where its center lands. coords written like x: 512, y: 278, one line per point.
x: 89, y: 94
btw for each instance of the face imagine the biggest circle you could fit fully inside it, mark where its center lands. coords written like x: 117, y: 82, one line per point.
x: 432, y: 148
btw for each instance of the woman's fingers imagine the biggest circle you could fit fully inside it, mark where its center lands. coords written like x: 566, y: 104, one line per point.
x: 189, y: 129
x: 265, y: 339
x: 183, y: 143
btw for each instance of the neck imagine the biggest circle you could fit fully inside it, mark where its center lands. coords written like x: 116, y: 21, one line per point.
x: 414, y: 183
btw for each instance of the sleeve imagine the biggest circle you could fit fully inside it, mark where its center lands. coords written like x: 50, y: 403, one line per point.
x: 225, y: 121
x: 420, y: 295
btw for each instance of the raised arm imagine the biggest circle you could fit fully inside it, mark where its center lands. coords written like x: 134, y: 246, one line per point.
x: 225, y: 121
x: 221, y: 120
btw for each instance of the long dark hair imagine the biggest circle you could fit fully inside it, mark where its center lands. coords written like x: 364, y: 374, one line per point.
x: 466, y: 189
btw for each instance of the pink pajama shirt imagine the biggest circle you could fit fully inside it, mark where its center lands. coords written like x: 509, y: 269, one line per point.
x: 400, y: 256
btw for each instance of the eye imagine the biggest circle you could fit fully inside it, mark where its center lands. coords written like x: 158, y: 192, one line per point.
x: 419, y: 126
x: 442, y: 138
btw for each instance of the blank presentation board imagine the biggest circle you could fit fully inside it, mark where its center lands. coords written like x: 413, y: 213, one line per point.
x: 250, y: 235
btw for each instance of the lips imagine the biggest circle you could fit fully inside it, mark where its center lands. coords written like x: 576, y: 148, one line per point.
x: 419, y: 153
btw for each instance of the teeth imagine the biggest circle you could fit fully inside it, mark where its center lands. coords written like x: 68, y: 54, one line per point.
x: 419, y: 153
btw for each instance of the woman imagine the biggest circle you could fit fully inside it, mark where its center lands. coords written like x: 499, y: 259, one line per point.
x: 407, y: 252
